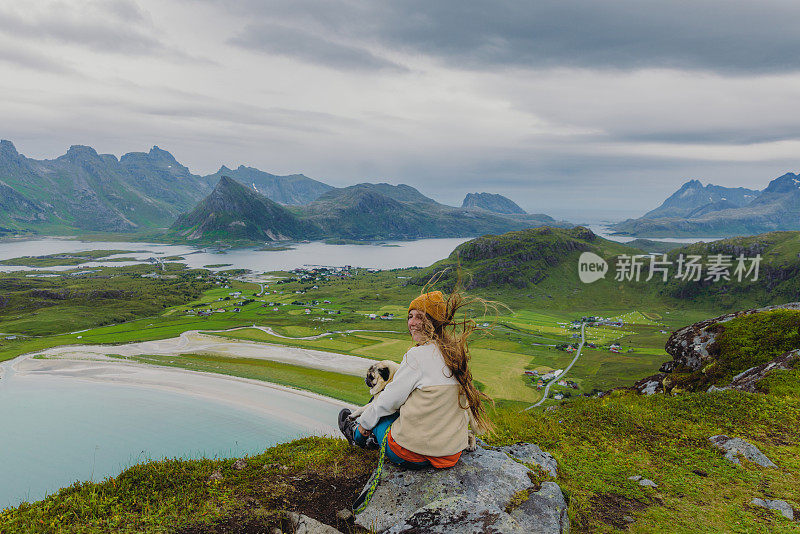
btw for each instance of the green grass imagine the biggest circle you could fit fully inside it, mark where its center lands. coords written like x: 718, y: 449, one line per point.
x: 165, y: 495
x: 755, y: 339
x: 742, y: 343
x: 44, y: 306
x: 599, y: 443
x: 500, y: 356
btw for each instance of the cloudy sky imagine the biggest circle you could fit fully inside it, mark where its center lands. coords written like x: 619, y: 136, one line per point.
x: 578, y: 109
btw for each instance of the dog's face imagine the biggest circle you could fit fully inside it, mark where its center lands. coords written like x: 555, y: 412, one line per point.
x: 380, y: 374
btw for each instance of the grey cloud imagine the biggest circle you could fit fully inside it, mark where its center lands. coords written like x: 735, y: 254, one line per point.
x: 29, y: 59
x: 743, y: 135
x: 727, y: 36
x: 124, y: 10
x: 184, y: 105
x: 290, y: 42
x: 120, y: 28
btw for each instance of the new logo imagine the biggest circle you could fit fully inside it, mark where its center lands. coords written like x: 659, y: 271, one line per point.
x: 591, y: 267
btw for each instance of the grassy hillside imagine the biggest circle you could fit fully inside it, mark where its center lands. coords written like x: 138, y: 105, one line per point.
x: 540, y: 266
x: 598, y: 444
x: 36, y: 306
x: 233, y: 213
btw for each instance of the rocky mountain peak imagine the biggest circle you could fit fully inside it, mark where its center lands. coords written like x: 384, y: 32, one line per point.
x: 162, y: 156
x: 787, y: 183
x: 492, y: 202
x: 690, y: 187
x: 8, y: 148
x: 80, y: 152
x: 226, y: 182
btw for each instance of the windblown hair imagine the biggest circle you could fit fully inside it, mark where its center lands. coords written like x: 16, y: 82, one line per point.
x: 451, y: 336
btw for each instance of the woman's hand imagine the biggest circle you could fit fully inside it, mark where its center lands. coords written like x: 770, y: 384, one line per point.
x: 364, y: 432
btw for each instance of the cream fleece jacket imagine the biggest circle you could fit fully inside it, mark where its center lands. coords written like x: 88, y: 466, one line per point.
x: 431, y: 420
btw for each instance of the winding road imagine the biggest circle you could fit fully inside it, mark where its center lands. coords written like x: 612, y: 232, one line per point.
x: 561, y: 376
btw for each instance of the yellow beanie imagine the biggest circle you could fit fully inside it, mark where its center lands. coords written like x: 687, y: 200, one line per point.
x: 431, y: 303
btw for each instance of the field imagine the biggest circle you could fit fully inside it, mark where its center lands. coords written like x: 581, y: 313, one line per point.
x: 334, y: 314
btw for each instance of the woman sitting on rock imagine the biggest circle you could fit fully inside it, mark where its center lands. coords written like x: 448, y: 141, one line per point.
x: 431, y: 399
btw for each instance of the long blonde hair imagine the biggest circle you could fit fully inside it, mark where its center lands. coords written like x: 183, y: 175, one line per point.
x: 451, y: 336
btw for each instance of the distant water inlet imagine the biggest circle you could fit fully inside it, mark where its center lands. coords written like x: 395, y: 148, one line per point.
x: 389, y: 255
x: 64, y: 421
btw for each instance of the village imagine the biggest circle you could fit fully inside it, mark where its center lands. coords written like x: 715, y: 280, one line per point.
x: 602, y: 333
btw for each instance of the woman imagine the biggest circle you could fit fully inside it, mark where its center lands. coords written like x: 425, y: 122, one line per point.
x: 427, y: 402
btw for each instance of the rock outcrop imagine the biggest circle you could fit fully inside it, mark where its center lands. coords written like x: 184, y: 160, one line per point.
x: 694, y: 347
x: 747, y: 380
x: 781, y: 506
x: 735, y: 447
x: 531, y: 454
x: 487, y: 491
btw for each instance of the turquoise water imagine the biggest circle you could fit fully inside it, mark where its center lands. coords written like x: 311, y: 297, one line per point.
x: 55, y: 431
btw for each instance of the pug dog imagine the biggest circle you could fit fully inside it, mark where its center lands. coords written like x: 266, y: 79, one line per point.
x: 381, y: 373
x: 378, y: 375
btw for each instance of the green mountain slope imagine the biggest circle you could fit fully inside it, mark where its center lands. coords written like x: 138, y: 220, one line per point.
x: 294, y: 189
x: 491, y: 202
x: 542, y: 264
x: 86, y: 191
x: 233, y: 212
x: 383, y: 211
x: 158, y: 175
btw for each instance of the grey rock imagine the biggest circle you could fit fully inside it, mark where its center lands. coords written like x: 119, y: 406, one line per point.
x: 470, y: 497
x: 544, y: 511
x: 302, y: 524
x: 628, y: 519
x: 648, y: 483
x: 748, y: 380
x: 344, y: 514
x: 239, y: 464
x: 635, y: 478
x: 733, y: 447
x: 782, y: 506
x: 533, y: 455
x: 216, y: 475
x: 650, y: 387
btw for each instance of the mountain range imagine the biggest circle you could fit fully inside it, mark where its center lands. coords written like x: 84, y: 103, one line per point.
x: 359, y: 212
x: 83, y: 191
x: 714, y: 211
x: 491, y: 202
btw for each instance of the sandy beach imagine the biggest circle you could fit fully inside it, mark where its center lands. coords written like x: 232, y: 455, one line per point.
x: 92, y: 363
x: 194, y: 342
x: 301, y: 407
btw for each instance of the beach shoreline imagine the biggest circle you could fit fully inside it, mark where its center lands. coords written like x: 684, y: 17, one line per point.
x: 93, y: 363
